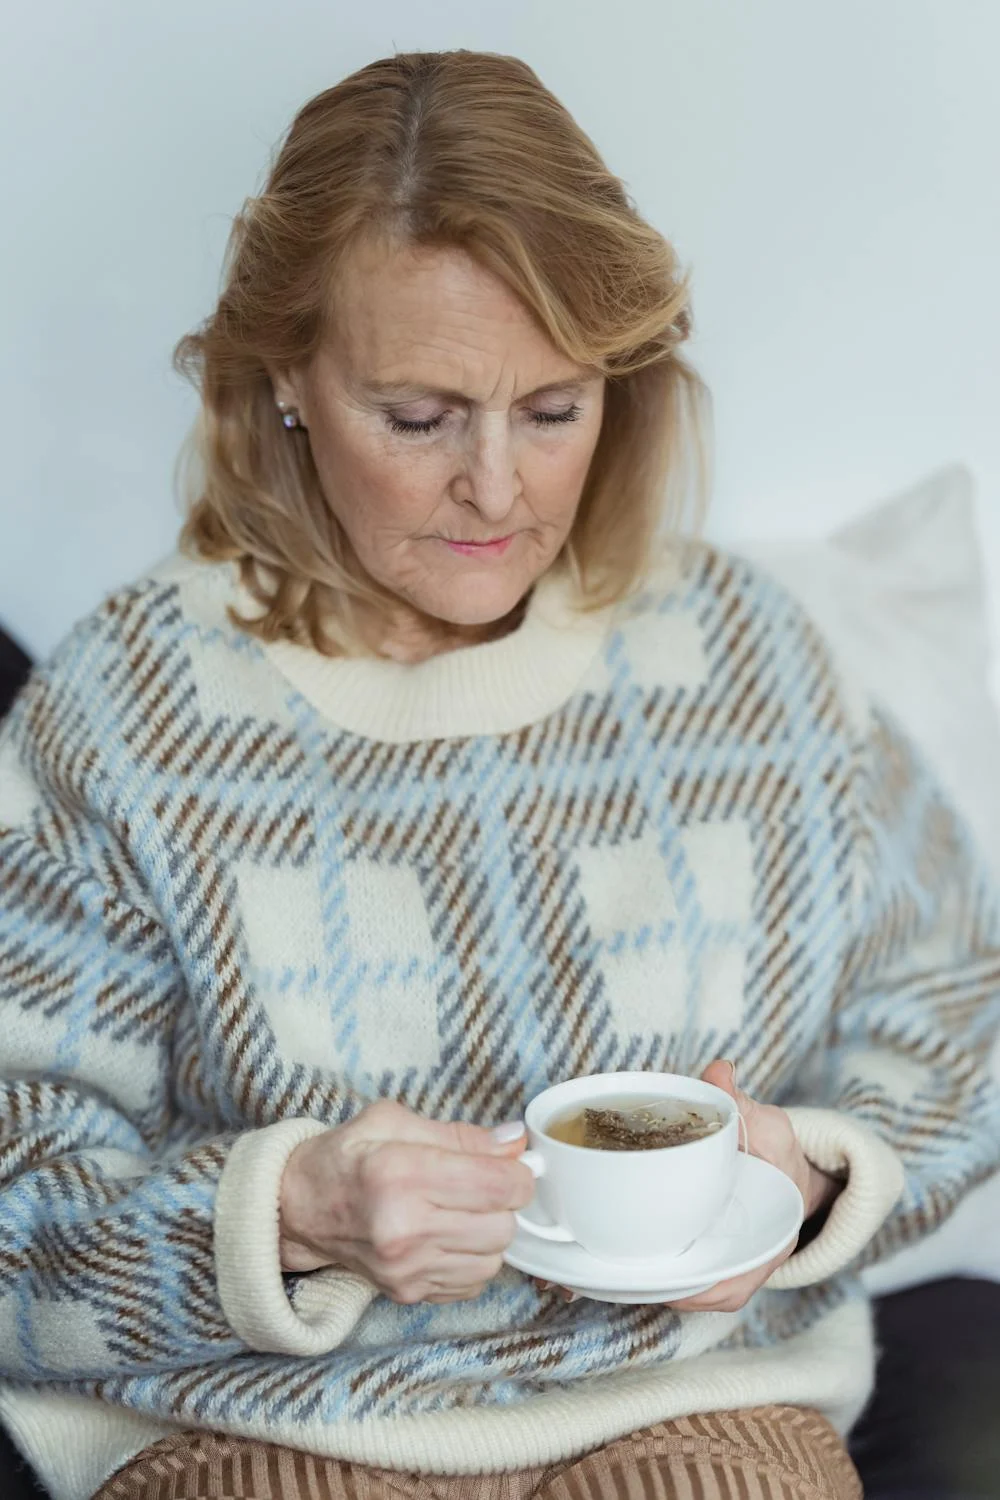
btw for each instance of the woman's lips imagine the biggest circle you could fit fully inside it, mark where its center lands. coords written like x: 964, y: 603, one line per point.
x: 480, y: 549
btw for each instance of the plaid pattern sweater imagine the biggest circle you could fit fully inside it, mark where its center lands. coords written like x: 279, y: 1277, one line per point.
x: 245, y: 890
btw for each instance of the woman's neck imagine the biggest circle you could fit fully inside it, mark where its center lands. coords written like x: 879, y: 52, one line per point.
x: 410, y: 637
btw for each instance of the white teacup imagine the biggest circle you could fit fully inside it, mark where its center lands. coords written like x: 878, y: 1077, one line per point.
x: 630, y: 1205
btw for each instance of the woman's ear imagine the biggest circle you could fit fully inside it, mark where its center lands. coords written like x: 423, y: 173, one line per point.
x: 287, y: 393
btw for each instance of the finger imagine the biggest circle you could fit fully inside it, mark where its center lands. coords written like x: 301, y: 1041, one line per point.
x: 454, y: 1271
x: 460, y: 1294
x: 424, y: 1264
x: 436, y: 1277
x: 727, y: 1296
x: 394, y: 1121
x: 553, y: 1286
x: 413, y: 1243
x: 731, y: 1295
x: 506, y: 1139
x: 475, y: 1184
x: 401, y: 1179
x: 722, y: 1073
x: 455, y: 1233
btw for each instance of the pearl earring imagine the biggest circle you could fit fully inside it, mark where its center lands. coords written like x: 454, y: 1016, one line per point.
x: 289, y: 416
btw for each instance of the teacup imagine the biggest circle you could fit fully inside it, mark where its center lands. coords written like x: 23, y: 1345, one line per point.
x: 630, y: 1205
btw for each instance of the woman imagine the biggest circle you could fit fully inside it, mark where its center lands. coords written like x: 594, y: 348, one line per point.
x: 423, y: 782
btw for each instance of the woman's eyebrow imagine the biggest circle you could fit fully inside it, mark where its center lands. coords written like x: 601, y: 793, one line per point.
x: 397, y: 390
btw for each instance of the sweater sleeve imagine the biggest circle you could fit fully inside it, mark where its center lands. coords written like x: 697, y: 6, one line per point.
x: 911, y: 1112
x: 110, y: 1256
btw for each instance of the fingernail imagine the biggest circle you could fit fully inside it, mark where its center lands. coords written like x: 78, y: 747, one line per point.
x: 510, y: 1130
x: 732, y: 1068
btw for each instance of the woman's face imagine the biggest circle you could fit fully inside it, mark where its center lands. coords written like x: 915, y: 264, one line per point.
x: 451, y: 438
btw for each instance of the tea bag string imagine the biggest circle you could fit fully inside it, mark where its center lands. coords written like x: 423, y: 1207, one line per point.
x: 746, y: 1134
x: 736, y: 1208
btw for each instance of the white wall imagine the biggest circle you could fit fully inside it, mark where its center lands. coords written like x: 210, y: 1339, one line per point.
x: 828, y: 170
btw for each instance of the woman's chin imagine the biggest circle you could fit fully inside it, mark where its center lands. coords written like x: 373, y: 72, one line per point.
x: 477, y: 602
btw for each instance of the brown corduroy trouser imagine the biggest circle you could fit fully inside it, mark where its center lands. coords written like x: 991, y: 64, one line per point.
x: 766, y: 1453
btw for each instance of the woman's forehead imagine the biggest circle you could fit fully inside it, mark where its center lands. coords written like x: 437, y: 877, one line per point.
x: 432, y: 317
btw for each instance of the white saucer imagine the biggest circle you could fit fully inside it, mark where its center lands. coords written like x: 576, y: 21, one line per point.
x: 763, y: 1219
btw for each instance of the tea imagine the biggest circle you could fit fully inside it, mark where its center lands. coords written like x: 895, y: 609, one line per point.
x: 634, y: 1123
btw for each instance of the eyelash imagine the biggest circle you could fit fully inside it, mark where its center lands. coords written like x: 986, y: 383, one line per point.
x: 540, y: 418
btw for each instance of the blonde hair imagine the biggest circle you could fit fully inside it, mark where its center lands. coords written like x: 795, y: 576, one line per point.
x: 463, y: 149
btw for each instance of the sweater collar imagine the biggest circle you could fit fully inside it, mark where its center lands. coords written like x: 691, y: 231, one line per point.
x: 494, y: 688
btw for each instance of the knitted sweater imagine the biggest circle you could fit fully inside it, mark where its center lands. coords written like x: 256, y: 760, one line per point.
x: 245, y: 890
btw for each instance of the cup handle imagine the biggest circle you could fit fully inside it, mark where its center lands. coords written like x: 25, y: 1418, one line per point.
x: 535, y: 1162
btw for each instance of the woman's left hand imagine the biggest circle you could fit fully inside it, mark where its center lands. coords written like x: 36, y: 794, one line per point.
x: 771, y: 1137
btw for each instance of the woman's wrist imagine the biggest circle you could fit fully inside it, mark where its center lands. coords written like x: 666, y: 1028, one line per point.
x: 821, y: 1192
x: 305, y: 1185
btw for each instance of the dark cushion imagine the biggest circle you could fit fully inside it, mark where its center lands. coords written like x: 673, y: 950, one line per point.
x: 932, y: 1428
x: 15, y: 665
x: 17, y: 1482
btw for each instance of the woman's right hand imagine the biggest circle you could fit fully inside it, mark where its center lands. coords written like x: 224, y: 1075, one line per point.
x: 422, y: 1208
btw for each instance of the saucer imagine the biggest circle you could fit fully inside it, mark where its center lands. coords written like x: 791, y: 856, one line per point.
x: 762, y: 1219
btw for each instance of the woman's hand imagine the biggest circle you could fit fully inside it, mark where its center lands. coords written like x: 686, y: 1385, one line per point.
x: 771, y: 1137
x: 421, y: 1208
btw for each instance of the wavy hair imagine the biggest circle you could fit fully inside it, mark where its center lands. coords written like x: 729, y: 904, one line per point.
x: 462, y: 149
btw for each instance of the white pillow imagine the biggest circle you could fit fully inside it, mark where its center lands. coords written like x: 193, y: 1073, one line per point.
x: 901, y: 597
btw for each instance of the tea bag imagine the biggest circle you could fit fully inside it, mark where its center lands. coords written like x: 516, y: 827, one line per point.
x: 646, y: 1127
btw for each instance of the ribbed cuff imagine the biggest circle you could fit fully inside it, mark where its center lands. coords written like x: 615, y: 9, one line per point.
x: 252, y: 1290
x: 844, y: 1147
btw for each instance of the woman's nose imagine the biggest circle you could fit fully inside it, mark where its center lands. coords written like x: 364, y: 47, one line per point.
x: 491, y: 479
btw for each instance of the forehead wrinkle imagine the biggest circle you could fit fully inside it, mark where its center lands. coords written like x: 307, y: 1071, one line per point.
x: 468, y: 354
x: 398, y: 390
x: 473, y: 362
x: 403, y: 327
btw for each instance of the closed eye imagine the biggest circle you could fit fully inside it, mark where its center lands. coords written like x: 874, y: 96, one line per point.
x: 548, y: 418
x: 399, y: 424
x: 430, y: 424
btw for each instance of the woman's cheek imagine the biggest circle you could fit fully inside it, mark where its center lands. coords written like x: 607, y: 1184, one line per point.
x: 386, y: 492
